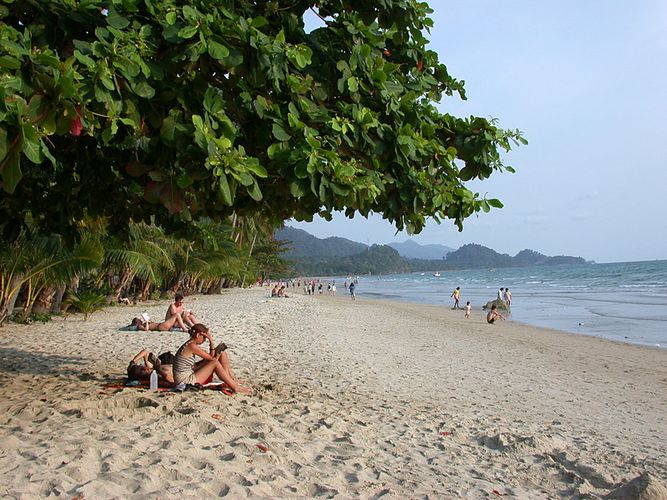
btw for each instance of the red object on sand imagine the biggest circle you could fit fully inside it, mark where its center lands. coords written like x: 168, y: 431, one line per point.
x: 262, y: 447
x: 445, y: 433
x: 217, y: 416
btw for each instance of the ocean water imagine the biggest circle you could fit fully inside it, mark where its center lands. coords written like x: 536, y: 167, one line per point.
x: 620, y: 301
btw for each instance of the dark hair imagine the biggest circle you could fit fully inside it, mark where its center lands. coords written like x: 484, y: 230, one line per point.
x: 178, y: 296
x: 198, y: 328
x: 166, y: 358
x: 135, y: 371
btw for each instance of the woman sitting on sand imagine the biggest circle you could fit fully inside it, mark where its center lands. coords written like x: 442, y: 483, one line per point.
x: 166, y: 325
x: 189, y: 371
x: 493, y: 315
x: 145, y: 362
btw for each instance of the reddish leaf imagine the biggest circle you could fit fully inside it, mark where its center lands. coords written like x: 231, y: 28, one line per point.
x: 75, y: 126
x: 420, y: 65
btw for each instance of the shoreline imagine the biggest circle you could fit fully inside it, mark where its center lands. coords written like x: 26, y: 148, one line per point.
x: 363, y: 398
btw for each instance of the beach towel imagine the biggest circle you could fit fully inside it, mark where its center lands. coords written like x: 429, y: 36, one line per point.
x: 136, y: 384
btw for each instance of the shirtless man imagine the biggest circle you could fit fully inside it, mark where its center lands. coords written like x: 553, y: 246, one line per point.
x: 177, y: 308
x: 493, y: 315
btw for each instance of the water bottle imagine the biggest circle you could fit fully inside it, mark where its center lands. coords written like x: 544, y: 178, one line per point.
x: 153, y: 383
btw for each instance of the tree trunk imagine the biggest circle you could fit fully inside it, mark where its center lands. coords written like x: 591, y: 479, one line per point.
x: 44, y: 301
x: 58, y: 299
x: 8, y: 308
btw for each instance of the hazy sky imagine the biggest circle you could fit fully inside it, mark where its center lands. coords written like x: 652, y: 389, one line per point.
x: 587, y: 84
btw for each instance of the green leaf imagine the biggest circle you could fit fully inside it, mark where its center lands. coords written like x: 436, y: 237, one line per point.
x: 31, y: 146
x: 115, y: 20
x: 352, y: 84
x: 198, y: 122
x: 217, y: 50
x: 84, y: 59
x: 296, y: 189
x: 255, y: 193
x: 143, y: 89
x: 171, y: 17
x: 168, y: 128
x: 11, y: 172
x: 224, y: 189
x: 187, y: 32
x: 253, y: 165
x: 9, y: 62
x: 495, y: 203
x: 280, y: 134
x: 258, y: 22
x: 47, y: 153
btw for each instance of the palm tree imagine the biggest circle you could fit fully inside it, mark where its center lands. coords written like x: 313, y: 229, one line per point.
x: 33, y: 262
x: 143, y: 257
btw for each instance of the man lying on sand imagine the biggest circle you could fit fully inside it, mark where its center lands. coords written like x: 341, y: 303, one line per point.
x: 493, y: 315
x: 145, y: 362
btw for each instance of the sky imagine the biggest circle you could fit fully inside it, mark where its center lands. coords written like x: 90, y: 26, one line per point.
x: 586, y: 82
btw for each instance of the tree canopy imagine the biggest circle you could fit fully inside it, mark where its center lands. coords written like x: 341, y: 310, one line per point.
x: 174, y: 110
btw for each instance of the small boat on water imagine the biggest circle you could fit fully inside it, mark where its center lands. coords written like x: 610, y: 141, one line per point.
x: 437, y: 274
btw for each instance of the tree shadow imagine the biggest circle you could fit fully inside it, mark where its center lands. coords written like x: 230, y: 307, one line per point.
x: 14, y: 360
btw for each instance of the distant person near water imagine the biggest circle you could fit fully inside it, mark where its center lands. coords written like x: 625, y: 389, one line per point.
x: 501, y: 294
x: 456, y: 294
x: 351, y: 288
x: 468, y: 309
x: 493, y: 315
x: 508, y: 297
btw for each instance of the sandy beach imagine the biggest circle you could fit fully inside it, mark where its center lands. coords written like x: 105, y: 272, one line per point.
x: 351, y: 399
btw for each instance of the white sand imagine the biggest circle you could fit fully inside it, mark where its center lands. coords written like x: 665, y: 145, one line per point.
x: 355, y: 399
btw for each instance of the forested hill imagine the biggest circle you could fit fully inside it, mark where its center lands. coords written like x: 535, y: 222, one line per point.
x: 311, y: 256
x: 304, y: 244
x: 472, y: 256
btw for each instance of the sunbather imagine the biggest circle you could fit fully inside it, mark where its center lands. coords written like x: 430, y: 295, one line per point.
x: 166, y: 325
x: 144, y: 363
x: 189, y: 371
x: 178, y: 308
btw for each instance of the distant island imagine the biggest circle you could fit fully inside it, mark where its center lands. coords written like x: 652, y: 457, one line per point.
x: 312, y: 256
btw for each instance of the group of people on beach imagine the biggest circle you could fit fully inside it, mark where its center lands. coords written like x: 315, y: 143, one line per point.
x: 493, y: 315
x: 191, y: 365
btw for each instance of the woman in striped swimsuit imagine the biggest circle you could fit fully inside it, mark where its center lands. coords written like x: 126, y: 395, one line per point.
x: 187, y: 370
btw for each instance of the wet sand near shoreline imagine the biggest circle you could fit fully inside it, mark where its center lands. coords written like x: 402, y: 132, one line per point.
x: 350, y: 399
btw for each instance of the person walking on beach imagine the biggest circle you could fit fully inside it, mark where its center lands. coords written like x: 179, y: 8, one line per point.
x: 456, y: 294
x: 468, y: 309
x: 501, y: 294
x: 508, y: 297
x: 351, y: 288
x: 493, y: 315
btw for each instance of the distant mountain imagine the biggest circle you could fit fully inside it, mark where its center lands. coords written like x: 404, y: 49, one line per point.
x: 473, y: 256
x: 304, y: 244
x: 376, y: 259
x: 412, y: 250
x: 311, y: 256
